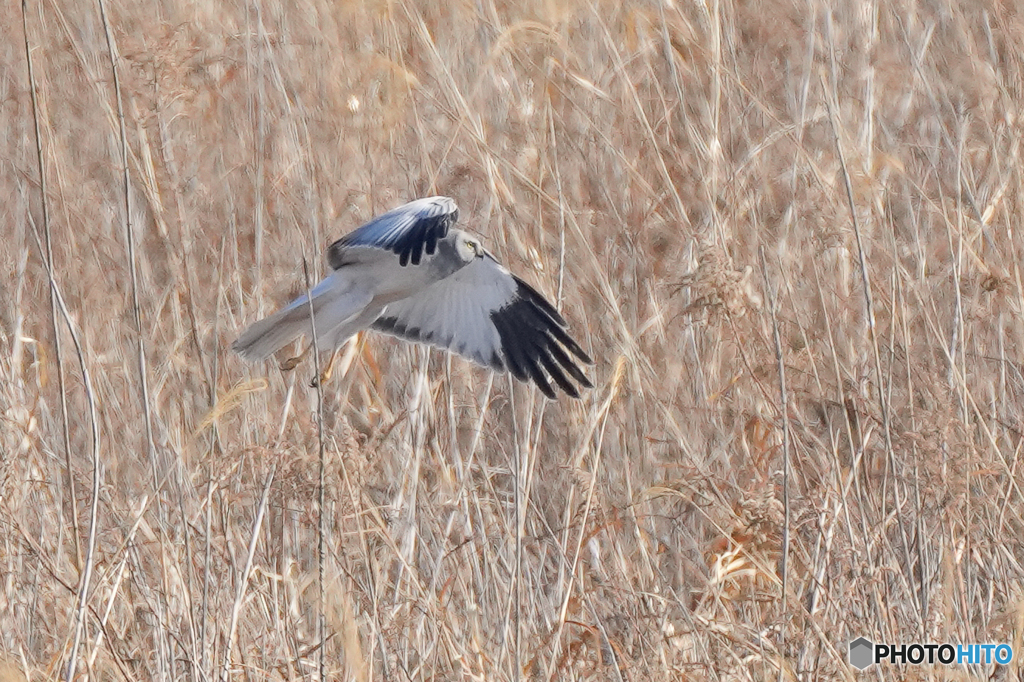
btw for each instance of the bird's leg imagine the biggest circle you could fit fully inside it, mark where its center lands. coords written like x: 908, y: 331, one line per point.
x: 325, y: 375
x: 291, y: 363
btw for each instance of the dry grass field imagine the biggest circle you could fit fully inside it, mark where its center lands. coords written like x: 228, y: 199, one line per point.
x: 788, y: 231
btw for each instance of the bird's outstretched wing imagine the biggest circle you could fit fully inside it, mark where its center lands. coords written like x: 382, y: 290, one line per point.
x: 410, y: 231
x: 492, y: 317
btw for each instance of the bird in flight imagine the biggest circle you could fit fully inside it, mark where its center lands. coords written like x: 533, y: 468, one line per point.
x: 410, y: 273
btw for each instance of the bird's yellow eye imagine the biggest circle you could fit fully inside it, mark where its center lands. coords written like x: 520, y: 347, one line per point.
x: 472, y: 245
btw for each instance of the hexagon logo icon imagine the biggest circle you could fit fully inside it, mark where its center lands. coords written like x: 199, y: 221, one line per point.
x: 861, y: 653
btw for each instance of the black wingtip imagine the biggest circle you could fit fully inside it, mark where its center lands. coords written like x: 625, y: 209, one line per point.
x: 584, y: 358
x: 536, y: 346
x: 408, y: 231
x: 527, y: 292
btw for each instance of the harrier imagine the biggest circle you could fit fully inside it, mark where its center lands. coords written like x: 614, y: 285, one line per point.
x: 409, y: 273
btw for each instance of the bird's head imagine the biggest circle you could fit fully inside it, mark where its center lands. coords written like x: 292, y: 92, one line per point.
x: 468, y: 247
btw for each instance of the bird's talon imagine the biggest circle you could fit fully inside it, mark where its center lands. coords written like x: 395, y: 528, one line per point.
x: 290, y: 364
x: 325, y: 375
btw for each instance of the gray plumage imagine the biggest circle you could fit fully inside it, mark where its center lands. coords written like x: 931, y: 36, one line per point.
x: 409, y: 273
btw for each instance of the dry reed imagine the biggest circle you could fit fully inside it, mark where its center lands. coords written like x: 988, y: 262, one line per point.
x: 720, y: 195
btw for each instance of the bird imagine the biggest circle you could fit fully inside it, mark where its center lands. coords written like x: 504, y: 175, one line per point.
x: 410, y: 273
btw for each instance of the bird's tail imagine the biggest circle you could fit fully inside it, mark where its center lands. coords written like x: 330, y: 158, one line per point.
x: 331, y: 308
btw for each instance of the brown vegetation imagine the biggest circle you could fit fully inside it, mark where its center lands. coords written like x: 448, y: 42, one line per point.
x: 725, y: 198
